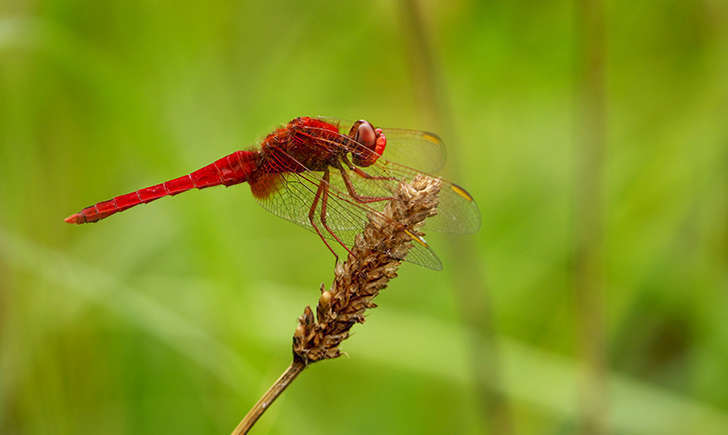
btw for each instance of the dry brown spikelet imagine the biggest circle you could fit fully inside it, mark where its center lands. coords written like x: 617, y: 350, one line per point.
x: 362, y: 276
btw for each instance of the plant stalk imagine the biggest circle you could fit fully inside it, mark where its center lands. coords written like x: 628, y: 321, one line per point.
x: 269, y: 397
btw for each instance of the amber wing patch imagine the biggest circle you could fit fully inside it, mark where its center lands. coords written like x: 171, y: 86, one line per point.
x: 266, y: 185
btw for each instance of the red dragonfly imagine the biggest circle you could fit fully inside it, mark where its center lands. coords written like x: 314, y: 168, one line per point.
x: 315, y: 174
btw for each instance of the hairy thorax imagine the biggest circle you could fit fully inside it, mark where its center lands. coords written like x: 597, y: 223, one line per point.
x: 303, y: 144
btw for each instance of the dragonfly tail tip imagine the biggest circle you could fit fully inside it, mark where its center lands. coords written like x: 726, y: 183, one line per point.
x: 73, y: 219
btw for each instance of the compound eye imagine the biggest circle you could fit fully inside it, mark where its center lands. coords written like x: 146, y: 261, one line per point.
x: 366, y: 135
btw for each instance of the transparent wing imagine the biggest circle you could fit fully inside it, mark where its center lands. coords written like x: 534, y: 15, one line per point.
x: 418, y: 149
x: 457, y: 213
x: 293, y: 197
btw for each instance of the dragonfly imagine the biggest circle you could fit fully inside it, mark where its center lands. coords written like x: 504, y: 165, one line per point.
x: 329, y: 179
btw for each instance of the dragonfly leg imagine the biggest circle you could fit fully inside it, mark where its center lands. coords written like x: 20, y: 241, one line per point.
x: 363, y: 174
x: 356, y: 196
x: 324, y: 202
x: 312, y: 213
x: 358, y: 171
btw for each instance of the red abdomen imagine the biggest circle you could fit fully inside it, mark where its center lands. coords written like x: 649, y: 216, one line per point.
x: 231, y: 169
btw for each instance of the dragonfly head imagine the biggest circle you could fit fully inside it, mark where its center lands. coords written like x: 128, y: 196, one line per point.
x: 373, y: 141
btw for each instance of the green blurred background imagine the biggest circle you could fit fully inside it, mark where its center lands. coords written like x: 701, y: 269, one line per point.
x: 593, y: 136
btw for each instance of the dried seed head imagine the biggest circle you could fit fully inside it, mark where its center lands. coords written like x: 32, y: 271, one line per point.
x: 362, y: 276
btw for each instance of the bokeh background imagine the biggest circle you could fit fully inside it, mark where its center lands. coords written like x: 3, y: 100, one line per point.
x: 592, y: 134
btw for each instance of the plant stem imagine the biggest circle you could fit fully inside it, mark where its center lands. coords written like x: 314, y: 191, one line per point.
x: 269, y: 397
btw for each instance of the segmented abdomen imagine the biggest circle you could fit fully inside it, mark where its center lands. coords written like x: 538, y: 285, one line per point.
x: 232, y: 169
